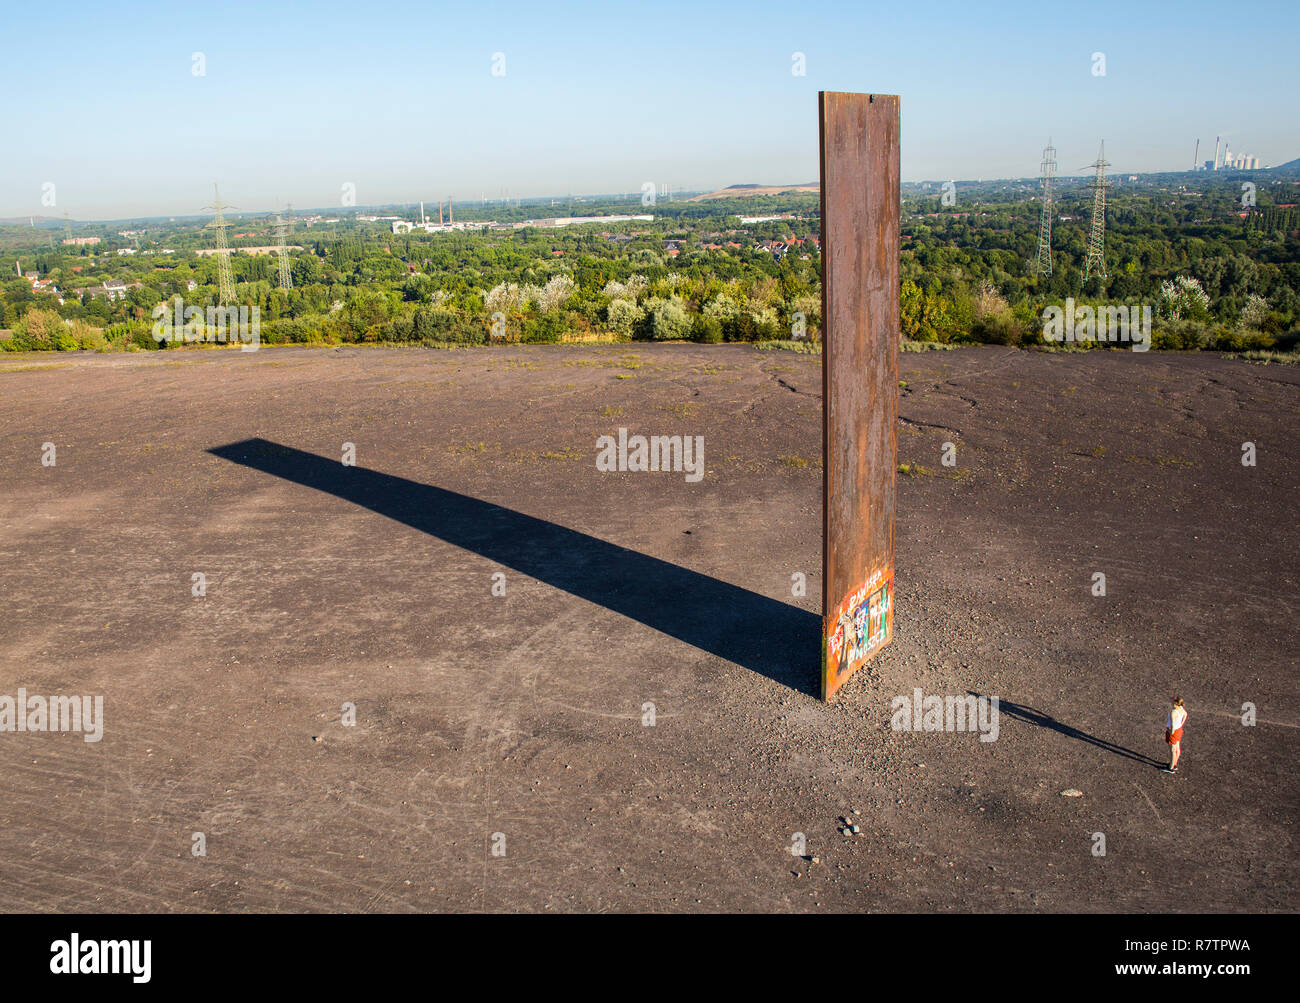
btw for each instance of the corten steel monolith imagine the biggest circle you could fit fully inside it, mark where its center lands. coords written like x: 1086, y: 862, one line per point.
x: 860, y: 223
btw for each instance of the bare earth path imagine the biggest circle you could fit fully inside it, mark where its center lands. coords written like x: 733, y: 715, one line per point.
x: 523, y: 715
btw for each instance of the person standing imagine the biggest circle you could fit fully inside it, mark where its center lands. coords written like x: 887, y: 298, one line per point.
x: 1174, y: 733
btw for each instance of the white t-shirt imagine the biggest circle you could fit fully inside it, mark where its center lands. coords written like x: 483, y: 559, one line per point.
x: 1176, y: 718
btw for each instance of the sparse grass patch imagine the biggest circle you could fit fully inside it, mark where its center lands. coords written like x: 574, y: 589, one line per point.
x: 28, y: 369
x: 926, y: 346
x: 788, y: 345
x: 1078, y: 346
x: 1160, y: 459
x: 1266, y: 357
x: 568, y: 453
x: 473, y: 448
x: 750, y: 466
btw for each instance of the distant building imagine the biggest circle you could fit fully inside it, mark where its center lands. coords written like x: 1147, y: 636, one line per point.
x: 1235, y: 162
x: 578, y: 220
x: 406, y: 226
x: 47, y: 286
x: 111, y: 290
x: 265, y: 249
x: 80, y: 241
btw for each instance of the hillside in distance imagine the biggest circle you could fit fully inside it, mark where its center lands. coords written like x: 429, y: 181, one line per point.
x: 748, y: 191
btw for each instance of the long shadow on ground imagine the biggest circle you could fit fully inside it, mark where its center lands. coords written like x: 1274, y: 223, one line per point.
x: 764, y: 635
x: 1031, y: 715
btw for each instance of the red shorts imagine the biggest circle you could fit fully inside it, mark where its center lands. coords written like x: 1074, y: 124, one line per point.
x: 1173, y: 738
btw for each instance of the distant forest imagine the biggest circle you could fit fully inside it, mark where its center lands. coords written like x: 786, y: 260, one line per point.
x: 1218, y: 263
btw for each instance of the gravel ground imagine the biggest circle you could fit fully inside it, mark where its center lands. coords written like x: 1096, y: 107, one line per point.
x: 503, y: 755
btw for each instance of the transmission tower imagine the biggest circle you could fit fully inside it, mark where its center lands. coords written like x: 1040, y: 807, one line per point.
x: 282, y: 227
x: 1095, y: 263
x: 225, y: 280
x: 67, y: 225
x: 1043, y: 266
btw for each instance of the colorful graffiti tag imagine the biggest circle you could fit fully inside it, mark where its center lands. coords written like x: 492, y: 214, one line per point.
x: 863, y: 624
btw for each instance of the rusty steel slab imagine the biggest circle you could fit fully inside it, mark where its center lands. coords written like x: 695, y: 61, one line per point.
x: 859, y: 230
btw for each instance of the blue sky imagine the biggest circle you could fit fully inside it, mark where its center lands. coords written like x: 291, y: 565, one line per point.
x: 399, y: 99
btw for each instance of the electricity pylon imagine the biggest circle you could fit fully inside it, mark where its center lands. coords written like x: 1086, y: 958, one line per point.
x: 281, y: 234
x: 1095, y: 262
x: 1043, y: 266
x: 225, y: 279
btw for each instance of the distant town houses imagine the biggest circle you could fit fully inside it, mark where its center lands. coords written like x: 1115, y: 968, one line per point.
x: 81, y: 241
x: 204, y: 252
x: 48, y: 286
x: 40, y: 285
x: 428, y: 226
x: 111, y: 290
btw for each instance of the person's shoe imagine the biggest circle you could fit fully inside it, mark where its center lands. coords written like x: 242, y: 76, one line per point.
x: 1169, y: 769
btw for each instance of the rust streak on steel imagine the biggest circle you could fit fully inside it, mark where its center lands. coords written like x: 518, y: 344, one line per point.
x: 860, y: 242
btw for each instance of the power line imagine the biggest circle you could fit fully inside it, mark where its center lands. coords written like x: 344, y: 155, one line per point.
x: 225, y: 278
x: 281, y: 233
x: 1095, y: 263
x: 1043, y: 266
